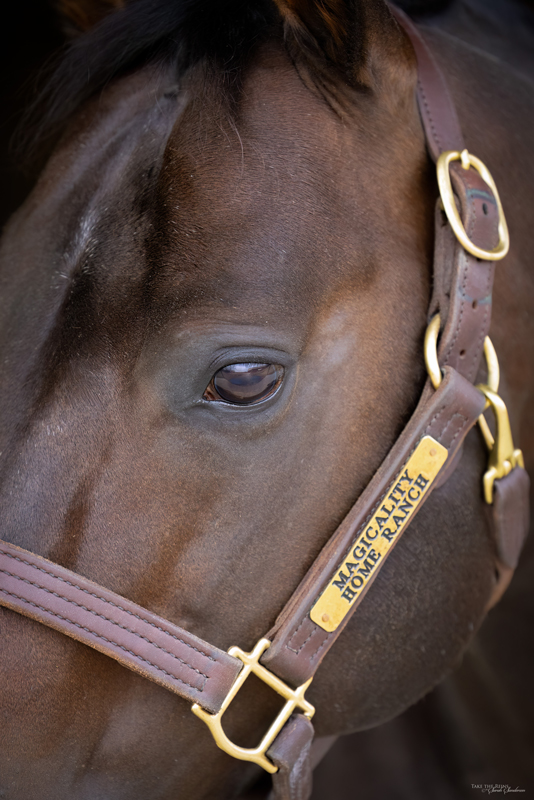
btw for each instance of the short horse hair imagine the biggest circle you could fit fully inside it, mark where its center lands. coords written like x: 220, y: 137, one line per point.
x: 224, y: 33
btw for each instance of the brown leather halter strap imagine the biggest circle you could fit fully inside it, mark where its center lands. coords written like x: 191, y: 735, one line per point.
x: 199, y: 672
x: 133, y: 636
x: 462, y: 294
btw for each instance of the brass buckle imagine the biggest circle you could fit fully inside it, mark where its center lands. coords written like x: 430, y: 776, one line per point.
x: 294, y: 699
x: 449, y: 204
x: 504, y: 457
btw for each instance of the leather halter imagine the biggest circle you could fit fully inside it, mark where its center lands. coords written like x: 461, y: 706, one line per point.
x: 423, y: 457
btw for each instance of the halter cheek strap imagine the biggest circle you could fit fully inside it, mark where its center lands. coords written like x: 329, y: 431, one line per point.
x: 466, y: 244
x: 308, y: 625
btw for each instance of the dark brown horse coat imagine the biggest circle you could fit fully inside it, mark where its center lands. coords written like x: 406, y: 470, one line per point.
x: 184, y: 223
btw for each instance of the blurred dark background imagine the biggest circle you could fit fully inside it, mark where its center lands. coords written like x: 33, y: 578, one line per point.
x: 30, y: 33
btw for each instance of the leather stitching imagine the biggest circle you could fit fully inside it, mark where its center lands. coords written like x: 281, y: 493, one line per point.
x: 465, y: 421
x: 438, y: 436
x: 481, y: 328
x: 462, y: 255
x: 468, y: 263
x: 305, y: 640
x: 429, y: 115
x: 96, y: 635
x: 465, y: 270
x: 321, y: 645
x: 484, y: 327
x: 109, y: 602
x: 434, y: 418
x: 360, y: 529
x: 449, y: 421
x: 106, y: 619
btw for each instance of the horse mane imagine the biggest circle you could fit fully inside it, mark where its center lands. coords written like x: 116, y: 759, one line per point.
x: 178, y: 32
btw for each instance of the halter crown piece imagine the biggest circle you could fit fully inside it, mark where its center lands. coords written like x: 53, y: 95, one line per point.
x: 425, y: 454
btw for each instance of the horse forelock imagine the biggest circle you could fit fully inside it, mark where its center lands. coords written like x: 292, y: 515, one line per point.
x: 176, y: 32
x: 327, y: 41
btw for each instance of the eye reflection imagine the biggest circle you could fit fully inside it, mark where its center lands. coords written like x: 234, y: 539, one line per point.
x: 245, y: 384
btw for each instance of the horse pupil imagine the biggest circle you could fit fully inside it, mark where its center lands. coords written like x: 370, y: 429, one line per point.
x: 245, y: 384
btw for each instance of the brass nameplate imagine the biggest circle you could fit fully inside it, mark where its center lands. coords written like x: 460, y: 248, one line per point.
x: 373, y: 544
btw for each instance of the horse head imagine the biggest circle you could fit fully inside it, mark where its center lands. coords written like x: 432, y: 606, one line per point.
x: 213, y: 310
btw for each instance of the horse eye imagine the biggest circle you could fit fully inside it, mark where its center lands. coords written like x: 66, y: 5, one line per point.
x: 245, y: 384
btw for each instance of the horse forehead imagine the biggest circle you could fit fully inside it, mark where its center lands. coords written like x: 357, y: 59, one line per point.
x: 271, y: 118
x: 267, y: 191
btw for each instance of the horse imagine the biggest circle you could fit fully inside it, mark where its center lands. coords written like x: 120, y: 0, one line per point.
x: 213, y: 310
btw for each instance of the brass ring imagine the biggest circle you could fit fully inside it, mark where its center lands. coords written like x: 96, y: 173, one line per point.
x: 493, y: 383
x: 432, y: 363
x: 431, y: 351
x: 494, y: 373
x: 449, y: 204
